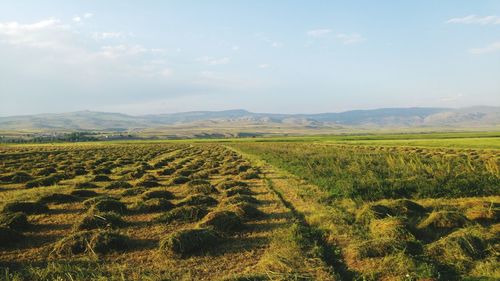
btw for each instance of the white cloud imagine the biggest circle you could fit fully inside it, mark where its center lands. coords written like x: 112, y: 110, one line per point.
x: 107, y: 35
x: 474, y: 19
x: 235, y: 48
x: 88, y: 15
x: 167, y: 72
x: 272, y: 43
x: 264, y: 65
x: 122, y: 50
x: 77, y: 19
x: 49, y: 33
x: 451, y: 98
x: 493, y: 47
x: 214, y: 61
x: 277, y: 44
x: 348, y: 39
x: 322, y: 32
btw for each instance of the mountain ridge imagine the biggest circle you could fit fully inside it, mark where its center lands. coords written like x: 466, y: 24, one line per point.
x: 474, y: 116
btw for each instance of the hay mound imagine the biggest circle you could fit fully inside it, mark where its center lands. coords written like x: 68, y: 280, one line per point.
x: 179, y: 180
x: 461, y: 248
x: 200, y: 175
x: 184, y: 172
x: 19, y: 177
x: 101, y: 178
x: 26, y: 207
x: 204, y: 188
x: 109, y: 205
x: 404, y: 207
x: 85, y: 185
x: 249, y: 174
x: 227, y: 184
x: 92, y: 201
x: 373, y: 211
x: 484, y: 212
x: 118, y: 184
x: 153, y: 205
x: 147, y: 183
x: 104, y: 220
x: 198, y: 200
x: 246, y: 211
x: 239, y: 198
x: 9, y: 236
x: 95, y: 241
x: 393, y: 228
x: 189, y: 241
x: 222, y: 221
x: 164, y: 194
x: 238, y: 190
x: 183, y: 214
x: 84, y: 193
x: 45, y: 181
x: 16, y: 221
x: 166, y: 172
x: 247, y: 277
x: 377, y: 248
x: 440, y: 223
x: 133, y: 191
x: 58, y: 198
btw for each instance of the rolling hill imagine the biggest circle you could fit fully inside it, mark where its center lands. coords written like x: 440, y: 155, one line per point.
x: 417, y: 117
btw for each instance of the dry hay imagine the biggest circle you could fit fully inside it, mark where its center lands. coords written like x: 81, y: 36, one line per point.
x: 109, y: 205
x: 166, y: 172
x: 153, y: 205
x: 222, y: 221
x: 25, y: 207
x: 249, y: 174
x: 484, y: 212
x: 83, y: 193
x: 392, y: 228
x: 373, y: 211
x: 198, y: 200
x: 460, y: 248
x: 179, y: 180
x: 377, y: 248
x: 58, y: 198
x: 405, y: 207
x: 238, y: 190
x: 93, y: 241
x: 147, y: 183
x: 85, y: 185
x: 133, y: 191
x: 239, y: 198
x: 99, y: 220
x: 118, y: 184
x: 189, y: 241
x: 92, y: 201
x: 228, y: 183
x: 164, y: 194
x: 201, y: 186
x: 246, y: 211
x: 440, y: 223
x: 101, y: 178
x: 16, y: 221
x: 183, y: 214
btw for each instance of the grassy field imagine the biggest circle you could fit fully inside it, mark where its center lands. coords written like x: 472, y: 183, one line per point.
x: 366, y: 207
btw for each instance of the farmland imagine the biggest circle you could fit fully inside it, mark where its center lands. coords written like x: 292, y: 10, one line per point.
x: 313, y: 208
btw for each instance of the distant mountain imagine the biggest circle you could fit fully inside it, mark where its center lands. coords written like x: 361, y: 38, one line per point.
x: 470, y: 117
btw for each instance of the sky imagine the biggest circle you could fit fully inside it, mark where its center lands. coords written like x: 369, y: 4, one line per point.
x: 149, y: 57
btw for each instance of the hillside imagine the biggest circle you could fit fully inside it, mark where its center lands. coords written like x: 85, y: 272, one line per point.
x: 477, y: 117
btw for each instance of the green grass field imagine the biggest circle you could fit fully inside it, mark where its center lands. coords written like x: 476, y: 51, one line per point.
x: 352, y: 207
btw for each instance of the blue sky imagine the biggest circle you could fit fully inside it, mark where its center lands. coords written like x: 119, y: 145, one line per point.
x: 143, y: 57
